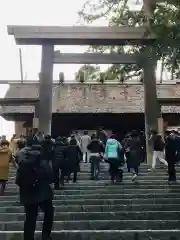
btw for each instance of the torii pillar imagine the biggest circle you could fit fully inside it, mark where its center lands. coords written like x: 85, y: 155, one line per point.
x: 151, y: 106
x: 45, y: 89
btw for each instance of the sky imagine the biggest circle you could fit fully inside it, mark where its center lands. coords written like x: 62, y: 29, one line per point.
x: 34, y: 12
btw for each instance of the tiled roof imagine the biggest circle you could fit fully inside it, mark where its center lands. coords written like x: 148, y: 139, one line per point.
x: 91, y: 98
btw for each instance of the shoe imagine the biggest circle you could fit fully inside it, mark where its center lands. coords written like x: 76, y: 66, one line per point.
x: 134, y: 177
x: 151, y: 169
x: 172, y: 182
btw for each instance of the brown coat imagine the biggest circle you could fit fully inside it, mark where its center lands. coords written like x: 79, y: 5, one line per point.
x: 4, y: 163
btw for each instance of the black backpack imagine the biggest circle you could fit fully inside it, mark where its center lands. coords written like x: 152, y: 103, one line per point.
x: 30, y: 172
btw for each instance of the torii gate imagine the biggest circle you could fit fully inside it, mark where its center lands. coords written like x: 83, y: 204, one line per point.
x: 78, y: 35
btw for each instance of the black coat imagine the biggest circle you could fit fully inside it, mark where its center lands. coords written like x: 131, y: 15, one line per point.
x: 73, y: 157
x: 133, y: 145
x: 172, y: 144
x: 158, y: 144
x: 59, y: 159
x: 47, y: 150
x: 96, y: 146
x: 44, y: 192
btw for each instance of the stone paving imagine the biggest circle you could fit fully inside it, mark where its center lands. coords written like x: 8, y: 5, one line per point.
x: 148, y: 209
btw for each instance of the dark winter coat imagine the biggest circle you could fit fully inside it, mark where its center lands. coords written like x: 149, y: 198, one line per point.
x: 47, y: 150
x: 158, y: 144
x: 59, y: 159
x: 172, y: 144
x: 133, y: 147
x: 73, y: 157
x: 44, y: 192
x: 96, y: 146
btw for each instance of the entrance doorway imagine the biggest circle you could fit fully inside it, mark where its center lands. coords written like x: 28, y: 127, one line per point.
x: 120, y: 124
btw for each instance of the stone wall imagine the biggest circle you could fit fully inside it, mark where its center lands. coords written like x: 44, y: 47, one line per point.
x: 109, y: 98
x: 92, y: 98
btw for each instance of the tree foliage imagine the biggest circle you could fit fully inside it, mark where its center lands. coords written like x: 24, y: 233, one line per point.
x: 165, y: 23
x: 88, y: 72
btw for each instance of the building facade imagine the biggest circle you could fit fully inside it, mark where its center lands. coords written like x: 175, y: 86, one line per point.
x: 87, y: 106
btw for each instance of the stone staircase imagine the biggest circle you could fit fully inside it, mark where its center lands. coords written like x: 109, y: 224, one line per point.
x: 148, y: 209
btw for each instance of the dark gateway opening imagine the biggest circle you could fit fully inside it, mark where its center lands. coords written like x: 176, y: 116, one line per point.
x: 120, y: 124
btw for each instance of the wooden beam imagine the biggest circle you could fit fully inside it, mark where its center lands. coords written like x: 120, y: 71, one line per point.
x: 93, y: 58
x: 18, y: 101
x: 169, y: 101
x: 79, y: 35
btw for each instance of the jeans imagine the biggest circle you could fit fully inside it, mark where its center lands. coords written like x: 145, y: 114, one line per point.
x: 114, y: 170
x: 31, y: 211
x: 95, y: 167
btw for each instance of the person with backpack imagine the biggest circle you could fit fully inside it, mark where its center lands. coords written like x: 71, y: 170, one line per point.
x: 34, y: 178
x: 115, y: 158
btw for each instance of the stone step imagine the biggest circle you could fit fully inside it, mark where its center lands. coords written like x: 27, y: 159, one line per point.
x: 106, y: 168
x: 98, y: 225
x: 107, y: 182
x: 176, y: 190
x: 106, y: 173
x: 82, y: 176
x: 14, y: 192
x: 100, y: 235
x: 90, y: 216
x: 85, y: 166
x: 104, y: 201
x: 102, y: 208
x: 99, y: 185
x: 120, y: 195
x: 17, y: 208
x: 142, y: 171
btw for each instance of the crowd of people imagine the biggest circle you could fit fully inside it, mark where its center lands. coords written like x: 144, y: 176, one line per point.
x: 42, y: 162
